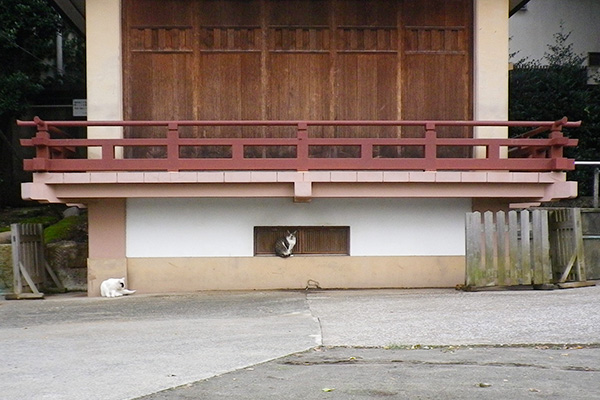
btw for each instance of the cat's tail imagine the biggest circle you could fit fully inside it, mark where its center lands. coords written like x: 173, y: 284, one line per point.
x: 127, y: 291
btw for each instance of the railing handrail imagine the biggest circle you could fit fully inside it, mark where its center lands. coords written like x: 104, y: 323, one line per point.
x: 535, y: 154
x: 466, y: 123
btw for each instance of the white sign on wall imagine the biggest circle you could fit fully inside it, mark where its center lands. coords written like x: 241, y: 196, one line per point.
x: 80, y: 107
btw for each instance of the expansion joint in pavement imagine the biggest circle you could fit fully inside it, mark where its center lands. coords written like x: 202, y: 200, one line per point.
x: 319, y: 335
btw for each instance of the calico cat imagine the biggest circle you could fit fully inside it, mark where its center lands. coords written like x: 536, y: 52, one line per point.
x: 114, y: 287
x: 285, y: 245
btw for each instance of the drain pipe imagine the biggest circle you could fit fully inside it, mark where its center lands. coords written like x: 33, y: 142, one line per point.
x: 59, y: 54
x: 596, y: 178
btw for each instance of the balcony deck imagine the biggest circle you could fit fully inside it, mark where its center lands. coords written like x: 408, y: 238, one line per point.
x: 526, y: 168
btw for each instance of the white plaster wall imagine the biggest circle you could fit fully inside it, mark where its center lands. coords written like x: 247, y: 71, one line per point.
x: 104, y: 69
x: 225, y: 227
x: 532, y: 30
x: 491, y: 59
x: 490, y: 69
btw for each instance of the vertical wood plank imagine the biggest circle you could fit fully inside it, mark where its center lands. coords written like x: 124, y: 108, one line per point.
x: 516, y: 267
x: 578, y: 244
x: 15, y: 235
x: 545, y: 245
x: 491, y: 261
x: 525, y: 278
x: 503, y: 265
x: 538, y: 271
x: 542, y: 269
x: 474, y: 270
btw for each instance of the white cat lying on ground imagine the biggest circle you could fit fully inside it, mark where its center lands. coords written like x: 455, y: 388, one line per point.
x: 114, y: 287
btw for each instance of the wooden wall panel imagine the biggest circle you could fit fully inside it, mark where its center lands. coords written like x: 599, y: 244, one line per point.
x: 227, y: 89
x: 366, y: 90
x: 367, y: 12
x: 298, y: 12
x: 298, y: 88
x: 298, y: 59
x: 436, y: 65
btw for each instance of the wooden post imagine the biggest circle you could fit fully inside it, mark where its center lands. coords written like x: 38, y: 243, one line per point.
x: 173, y: 147
x: 430, y: 146
x: 302, y: 148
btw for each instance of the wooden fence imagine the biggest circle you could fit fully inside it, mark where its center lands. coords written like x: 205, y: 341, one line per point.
x: 29, y: 263
x: 538, y: 247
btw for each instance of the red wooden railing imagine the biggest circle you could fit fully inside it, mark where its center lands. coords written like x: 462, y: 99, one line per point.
x: 527, y: 153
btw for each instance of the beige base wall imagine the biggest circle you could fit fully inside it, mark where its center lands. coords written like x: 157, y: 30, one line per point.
x: 168, y: 275
x: 100, y: 269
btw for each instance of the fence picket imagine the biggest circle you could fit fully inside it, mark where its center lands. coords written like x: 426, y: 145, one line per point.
x: 503, y: 250
x: 474, y: 274
x: 515, y: 271
x: 525, y: 278
x: 490, y: 257
x: 581, y: 273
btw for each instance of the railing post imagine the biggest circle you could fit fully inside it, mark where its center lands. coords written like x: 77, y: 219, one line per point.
x: 42, y: 151
x: 173, y: 147
x: 430, y: 146
x: 302, y: 147
x: 108, y: 153
x: 493, y: 153
x: 556, y: 150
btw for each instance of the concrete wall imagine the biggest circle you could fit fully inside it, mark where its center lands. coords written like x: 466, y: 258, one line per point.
x: 164, y: 275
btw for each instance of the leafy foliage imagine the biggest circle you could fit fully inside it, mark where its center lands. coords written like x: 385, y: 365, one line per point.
x: 554, y: 87
x: 70, y: 228
x: 27, y: 44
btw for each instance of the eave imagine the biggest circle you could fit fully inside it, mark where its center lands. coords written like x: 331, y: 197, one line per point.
x: 516, y: 5
x: 514, y: 187
x: 74, y: 11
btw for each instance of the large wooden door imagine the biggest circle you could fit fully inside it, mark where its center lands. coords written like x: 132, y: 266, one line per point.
x: 298, y: 59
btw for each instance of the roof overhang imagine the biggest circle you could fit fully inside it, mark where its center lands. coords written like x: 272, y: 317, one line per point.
x: 301, y: 186
x: 516, y: 5
x: 73, y: 11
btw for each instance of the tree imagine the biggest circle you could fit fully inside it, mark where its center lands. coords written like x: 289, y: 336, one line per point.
x: 28, y: 52
x: 556, y: 86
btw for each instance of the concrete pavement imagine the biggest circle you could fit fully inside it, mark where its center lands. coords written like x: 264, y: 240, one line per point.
x: 276, y: 344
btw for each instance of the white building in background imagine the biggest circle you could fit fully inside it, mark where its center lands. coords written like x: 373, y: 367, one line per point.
x: 533, y: 26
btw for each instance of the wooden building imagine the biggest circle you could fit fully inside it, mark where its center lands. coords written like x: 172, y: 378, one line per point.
x: 369, y: 126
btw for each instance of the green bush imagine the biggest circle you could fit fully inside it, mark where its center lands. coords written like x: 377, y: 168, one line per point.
x: 70, y: 228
